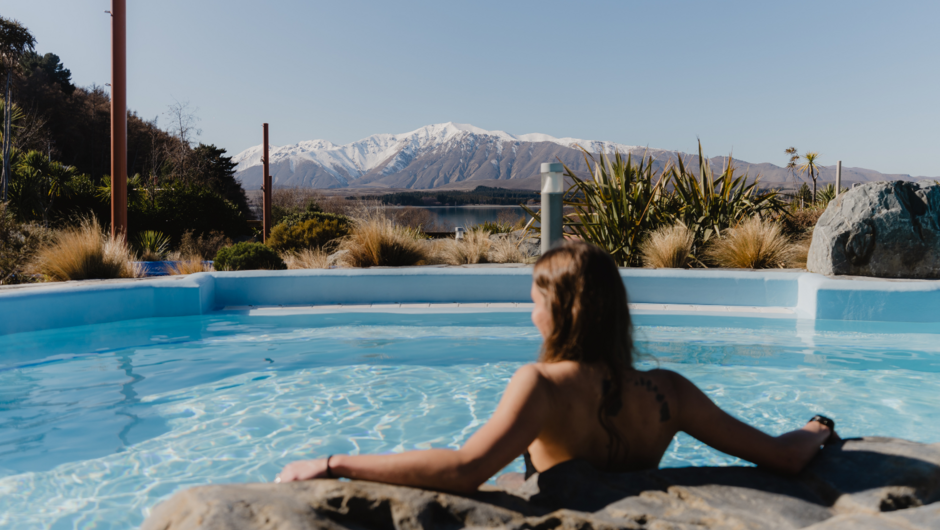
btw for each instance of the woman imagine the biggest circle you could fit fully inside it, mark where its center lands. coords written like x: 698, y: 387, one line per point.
x: 583, y: 399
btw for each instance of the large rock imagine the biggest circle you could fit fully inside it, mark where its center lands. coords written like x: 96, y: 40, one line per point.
x: 861, y: 483
x: 884, y: 229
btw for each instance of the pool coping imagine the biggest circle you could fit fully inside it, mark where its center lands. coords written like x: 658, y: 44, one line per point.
x: 766, y: 294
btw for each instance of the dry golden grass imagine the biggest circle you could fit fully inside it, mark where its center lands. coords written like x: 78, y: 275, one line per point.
x: 188, y: 265
x: 312, y: 258
x: 753, y: 244
x: 84, y: 252
x: 376, y: 241
x: 800, y: 254
x: 506, y: 250
x: 473, y: 248
x: 668, y: 247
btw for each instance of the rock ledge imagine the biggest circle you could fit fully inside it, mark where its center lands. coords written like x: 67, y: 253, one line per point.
x: 876, y: 483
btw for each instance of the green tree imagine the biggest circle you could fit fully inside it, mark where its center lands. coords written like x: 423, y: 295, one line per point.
x: 38, y: 182
x: 15, y: 40
x: 811, y: 168
x: 794, y: 158
x: 50, y: 65
x: 211, y: 167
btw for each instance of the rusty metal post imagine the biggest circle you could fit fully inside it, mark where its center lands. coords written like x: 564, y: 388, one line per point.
x: 119, y: 118
x: 266, y: 189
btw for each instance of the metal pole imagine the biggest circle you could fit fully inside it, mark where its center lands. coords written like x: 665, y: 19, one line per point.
x: 119, y: 119
x: 838, y: 177
x: 551, y: 211
x: 266, y: 190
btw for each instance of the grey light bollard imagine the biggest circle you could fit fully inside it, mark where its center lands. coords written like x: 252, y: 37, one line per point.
x: 458, y: 233
x: 838, y: 177
x: 551, y: 211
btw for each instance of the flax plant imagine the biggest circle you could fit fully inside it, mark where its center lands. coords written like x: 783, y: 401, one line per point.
x: 615, y: 208
x: 709, y: 205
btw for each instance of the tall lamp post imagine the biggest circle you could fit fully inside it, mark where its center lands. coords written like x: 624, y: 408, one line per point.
x: 265, y: 190
x: 119, y: 119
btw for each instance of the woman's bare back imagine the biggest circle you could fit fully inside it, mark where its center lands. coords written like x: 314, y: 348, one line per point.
x: 645, y: 424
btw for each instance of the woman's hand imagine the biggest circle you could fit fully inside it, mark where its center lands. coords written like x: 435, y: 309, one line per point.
x: 302, y: 470
x: 818, y: 428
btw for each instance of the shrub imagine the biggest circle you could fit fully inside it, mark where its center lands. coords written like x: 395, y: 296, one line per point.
x: 801, y: 221
x: 179, y: 208
x: 248, y: 256
x: 494, y: 227
x: 473, y: 248
x: 753, y: 244
x: 375, y: 241
x: 302, y: 217
x: 668, y: 247
x: 19, y: 242
x: 313, y: 233
x: 205, y: 246
x: 311, y: 258
x: 152, y: 245
x: 84, y: 252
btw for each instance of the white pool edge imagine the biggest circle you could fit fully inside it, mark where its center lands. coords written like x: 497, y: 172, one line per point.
x: 767, y: 294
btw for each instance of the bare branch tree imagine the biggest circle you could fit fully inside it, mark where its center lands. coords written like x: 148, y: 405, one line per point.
x: 183, y: 128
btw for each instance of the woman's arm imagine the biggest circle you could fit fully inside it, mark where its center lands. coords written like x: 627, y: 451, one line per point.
x: 788, y: 453
x: 518, y: 420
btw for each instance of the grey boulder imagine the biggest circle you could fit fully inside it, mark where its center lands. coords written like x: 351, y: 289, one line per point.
x: 861, y: 483
x: 882, y: 229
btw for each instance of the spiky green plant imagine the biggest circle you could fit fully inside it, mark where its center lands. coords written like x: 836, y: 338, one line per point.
x: 710, y: 204
x: 826, y: 195
x: 152, y: 245
x: 617, y: 206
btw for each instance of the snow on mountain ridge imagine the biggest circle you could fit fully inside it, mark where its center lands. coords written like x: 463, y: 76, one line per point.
x: 395, y: 151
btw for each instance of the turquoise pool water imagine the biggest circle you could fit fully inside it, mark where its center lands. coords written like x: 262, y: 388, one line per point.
x: 99, y: 423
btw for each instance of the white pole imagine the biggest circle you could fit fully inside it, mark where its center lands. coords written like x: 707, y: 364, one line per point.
x: 838, y: 177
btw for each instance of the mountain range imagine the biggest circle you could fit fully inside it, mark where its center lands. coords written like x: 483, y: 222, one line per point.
x: 460, y: 156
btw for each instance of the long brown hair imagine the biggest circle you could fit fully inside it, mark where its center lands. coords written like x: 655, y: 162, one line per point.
x: 590, y: 320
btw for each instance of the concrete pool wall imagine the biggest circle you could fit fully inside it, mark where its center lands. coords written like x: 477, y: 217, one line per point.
x: 791, y: 294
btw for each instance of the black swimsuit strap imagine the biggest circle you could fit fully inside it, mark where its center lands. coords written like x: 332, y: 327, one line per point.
x: 529, y: 467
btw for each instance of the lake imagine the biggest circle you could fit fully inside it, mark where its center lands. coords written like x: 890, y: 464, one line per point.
x: 449, y: 217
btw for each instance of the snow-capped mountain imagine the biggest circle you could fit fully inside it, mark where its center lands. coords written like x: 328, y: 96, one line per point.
x: 445, y: 154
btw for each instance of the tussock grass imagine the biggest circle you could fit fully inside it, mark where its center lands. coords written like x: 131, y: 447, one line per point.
x: 506, y: 250
x: 473, y: 248
x: 84, y: 252
x: 188, y: 265
x: 668, y: 247
x: 753, y: 244
x: 376, y: 241
x: 313, y: 258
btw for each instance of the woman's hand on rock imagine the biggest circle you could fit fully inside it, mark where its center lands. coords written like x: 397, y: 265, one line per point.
x: 302, y: 470
x: 816, y: 427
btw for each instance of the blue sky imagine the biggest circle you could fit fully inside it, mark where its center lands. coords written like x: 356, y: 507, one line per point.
x: 856, y: 81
